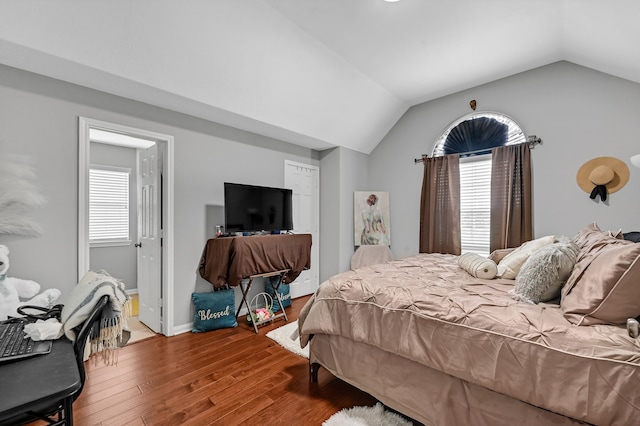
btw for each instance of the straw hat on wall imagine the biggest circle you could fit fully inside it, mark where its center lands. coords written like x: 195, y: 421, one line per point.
x: 602, y: 176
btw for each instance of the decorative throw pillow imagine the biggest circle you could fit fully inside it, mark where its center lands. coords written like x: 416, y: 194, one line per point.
x: 591, y: 242
x: 478, y: 266
x: 603, y: 287
x: 592, y: 233
x: 510, y: 265
x: 214, y: 310
x: 585, y: 233
x: 499, y: 254
x: 633, y: 236
x: 285, y: 294
x: 543, y: 274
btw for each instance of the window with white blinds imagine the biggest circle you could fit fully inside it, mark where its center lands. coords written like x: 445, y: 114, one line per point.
x: 108, y: 205
x: 475, y: 204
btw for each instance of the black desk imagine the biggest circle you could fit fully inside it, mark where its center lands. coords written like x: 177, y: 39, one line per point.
x: 40, y: 381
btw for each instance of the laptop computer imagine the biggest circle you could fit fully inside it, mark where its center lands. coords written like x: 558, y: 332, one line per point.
x: 15, y: 346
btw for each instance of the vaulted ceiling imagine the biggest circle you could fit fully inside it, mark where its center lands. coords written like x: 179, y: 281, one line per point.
x: 316, y: 73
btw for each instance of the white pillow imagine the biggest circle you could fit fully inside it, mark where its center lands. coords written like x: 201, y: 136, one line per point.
x: 510, y: 265
x: 478, y: 266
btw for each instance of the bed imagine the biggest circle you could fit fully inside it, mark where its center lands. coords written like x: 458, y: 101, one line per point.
x: 431, y: 341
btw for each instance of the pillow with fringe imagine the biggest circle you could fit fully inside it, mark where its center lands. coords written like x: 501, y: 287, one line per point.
x: 544, y: 273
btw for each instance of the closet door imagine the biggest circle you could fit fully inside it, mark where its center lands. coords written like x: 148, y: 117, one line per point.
x: 304, y: 180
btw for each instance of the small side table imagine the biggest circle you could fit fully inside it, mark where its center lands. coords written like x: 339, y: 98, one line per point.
x: 245, y: 285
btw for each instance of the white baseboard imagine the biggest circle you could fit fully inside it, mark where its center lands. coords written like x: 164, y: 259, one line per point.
x: 185, y: 328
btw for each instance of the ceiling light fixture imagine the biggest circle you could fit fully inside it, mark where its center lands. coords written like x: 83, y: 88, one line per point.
x: 391, y: 1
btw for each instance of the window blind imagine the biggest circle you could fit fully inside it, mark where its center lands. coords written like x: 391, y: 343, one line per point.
x: 108, y: 205
x: 475, y: 204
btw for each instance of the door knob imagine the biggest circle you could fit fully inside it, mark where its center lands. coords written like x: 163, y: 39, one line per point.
x: 138, y: 244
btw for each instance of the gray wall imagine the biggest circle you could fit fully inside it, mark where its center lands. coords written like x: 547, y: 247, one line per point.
x: 119, y: 261
x: 330, y: 213
x: 579, y: 114
x: 354, y: 174
x: 39, y: 118
x: 342, y: 171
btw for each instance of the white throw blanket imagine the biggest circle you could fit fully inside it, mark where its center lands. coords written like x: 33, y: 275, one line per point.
x: 107, y: 337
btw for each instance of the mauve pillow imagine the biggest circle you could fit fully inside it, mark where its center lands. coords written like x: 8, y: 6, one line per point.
x: 585, y: 233
x: 499, y: 254
x: 591, y: 242
x: 591, y: 233
x: 603, y: 286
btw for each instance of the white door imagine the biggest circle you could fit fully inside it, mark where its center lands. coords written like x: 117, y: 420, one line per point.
x: 149, y: 239
x: 304, y: 180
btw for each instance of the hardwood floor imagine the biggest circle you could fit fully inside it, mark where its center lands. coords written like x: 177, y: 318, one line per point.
x: 223, y: 377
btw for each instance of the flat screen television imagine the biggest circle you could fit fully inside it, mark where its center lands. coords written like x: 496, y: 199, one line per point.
x: 250, y: 208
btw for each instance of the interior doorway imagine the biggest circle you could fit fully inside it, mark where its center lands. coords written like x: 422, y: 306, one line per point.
x: 156, y: 263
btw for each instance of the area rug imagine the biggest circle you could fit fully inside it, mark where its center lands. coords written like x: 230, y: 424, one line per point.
x: 366, y: 416
x: 283, y: 336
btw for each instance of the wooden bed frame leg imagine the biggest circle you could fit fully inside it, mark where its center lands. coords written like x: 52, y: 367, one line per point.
x: 313, y: 372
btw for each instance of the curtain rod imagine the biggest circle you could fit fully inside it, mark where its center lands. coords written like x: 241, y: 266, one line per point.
x: 531, y: 140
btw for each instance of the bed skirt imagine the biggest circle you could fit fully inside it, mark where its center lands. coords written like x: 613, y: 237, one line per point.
x: 422, y: 393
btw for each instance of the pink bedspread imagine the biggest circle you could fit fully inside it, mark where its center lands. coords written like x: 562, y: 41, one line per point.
x: 426, y: 309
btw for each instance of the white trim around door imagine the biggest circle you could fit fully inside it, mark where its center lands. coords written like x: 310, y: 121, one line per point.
x: 166, y: 143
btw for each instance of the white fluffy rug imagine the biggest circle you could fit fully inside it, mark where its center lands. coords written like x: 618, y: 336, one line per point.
x: 366, y: 416
x: 287, y: 337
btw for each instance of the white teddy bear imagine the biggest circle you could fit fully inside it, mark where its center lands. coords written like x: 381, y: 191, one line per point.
x: 14, y: 291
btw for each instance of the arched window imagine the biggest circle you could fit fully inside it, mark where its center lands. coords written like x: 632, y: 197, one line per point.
x: 473, y: 136
x: 477, y: 133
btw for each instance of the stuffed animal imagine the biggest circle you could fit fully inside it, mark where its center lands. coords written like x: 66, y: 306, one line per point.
x: 16, y: 292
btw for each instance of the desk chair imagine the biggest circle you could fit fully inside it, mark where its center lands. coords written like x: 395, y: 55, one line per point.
x: 60, y: 412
